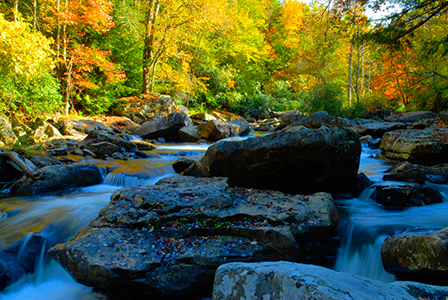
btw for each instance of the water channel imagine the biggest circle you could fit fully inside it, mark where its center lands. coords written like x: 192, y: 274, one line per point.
x: 59, y: 217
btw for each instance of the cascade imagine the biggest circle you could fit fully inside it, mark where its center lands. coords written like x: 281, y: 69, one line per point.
x: 58, y: 218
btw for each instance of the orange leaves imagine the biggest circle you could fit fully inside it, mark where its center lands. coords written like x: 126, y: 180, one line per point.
x: 393, y: 80
x: 78, y: 15
x: 86, y: 60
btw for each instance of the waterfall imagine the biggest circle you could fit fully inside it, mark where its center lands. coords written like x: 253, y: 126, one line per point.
x: 56, y: 219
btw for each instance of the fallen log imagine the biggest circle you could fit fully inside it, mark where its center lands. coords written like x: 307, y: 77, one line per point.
x: 21, y: 164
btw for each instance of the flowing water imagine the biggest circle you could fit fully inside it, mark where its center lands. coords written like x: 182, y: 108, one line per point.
x: 369, y: 223
x: 58, y: 218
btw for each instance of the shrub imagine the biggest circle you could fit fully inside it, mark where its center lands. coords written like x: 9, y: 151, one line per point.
x: 324, y: 97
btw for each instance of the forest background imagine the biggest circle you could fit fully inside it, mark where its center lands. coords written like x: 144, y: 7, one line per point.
x: 246, y: 56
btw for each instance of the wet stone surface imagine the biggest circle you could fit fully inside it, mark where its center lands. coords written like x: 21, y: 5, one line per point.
x: 168, y: 239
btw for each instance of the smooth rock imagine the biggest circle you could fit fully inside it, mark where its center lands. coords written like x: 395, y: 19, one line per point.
x: 216, y: 130
x: 182, y: 164
x: 96, y: 138
x: 406, y: 195
x: 189, y: 134
x: 292, y: 281
x: 165, y: 127
x: 19, y: 259
x: 406, y: 171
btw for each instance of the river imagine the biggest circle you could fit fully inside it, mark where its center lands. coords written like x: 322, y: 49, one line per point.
x: 58, y: 218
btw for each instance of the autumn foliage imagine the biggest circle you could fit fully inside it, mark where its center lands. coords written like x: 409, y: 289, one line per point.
x: 243, y: 56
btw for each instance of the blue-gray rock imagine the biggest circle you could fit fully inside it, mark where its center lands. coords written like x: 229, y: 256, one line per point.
x: 292, y: 281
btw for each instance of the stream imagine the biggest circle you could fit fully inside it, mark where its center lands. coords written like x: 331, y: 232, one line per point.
x: 59, y: 217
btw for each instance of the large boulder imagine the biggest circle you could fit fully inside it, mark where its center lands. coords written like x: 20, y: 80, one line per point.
x: 189, y: 134
x: 427, y: 147
x: 406, y: 195
x: 165, y: 127
x: 305, y: 161
x: 168, y: 239
x: 216, y: 130
x: 292, y: 281
x: 419, y: 257
x: 7, y: 135
x: 201, y: 117
x: 60, y: 177
x: 315, y: 120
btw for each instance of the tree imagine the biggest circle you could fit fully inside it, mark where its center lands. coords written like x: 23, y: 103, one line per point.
x: 26, y: 85
x: 73, y: 23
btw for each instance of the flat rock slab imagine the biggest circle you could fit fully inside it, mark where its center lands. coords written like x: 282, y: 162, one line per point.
x: 292, y: 281
x: 428, y: 146
x: 377, y: 129
x: 168, y: 239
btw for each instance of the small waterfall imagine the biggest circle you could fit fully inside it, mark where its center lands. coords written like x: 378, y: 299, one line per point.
x: 124, y: 180
x: 56, y: 219
x: 360, y: 253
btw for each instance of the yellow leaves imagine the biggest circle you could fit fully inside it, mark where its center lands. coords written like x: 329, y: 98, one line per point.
x: 22, y: 50
x: 293, y: 15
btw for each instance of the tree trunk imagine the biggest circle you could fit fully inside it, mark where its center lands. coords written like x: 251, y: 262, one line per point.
x: 35, y: 15
x: 149, y: 56
x: 349, y: 85
x: 357, y: 75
